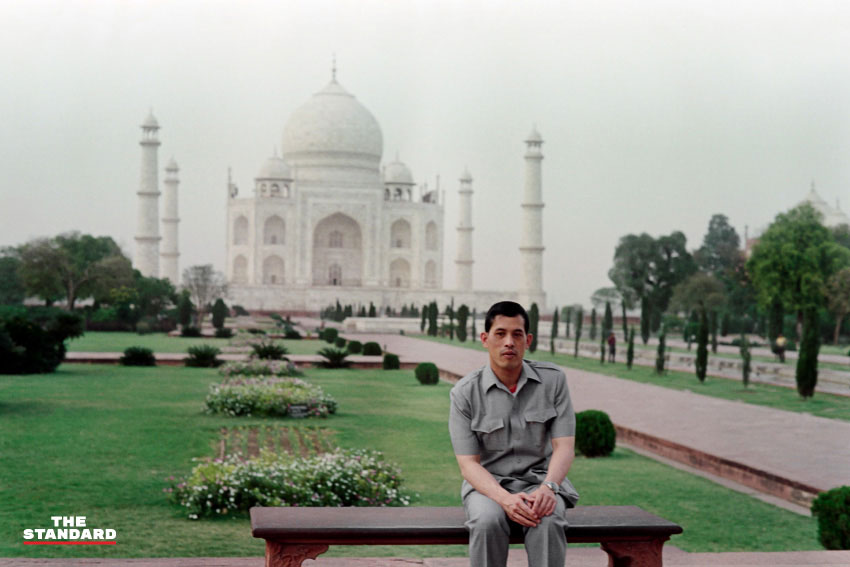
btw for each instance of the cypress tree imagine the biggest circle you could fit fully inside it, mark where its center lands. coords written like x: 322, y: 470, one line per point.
x: 602, y: 349
x: 807, y: 362
x: 713, y: 327
x: 579, y: 321
x: 775, y: 320
x: 701, y: 362
x: 554, y: 334
x: 450, y: 313
x: 630, y: 352
x: 533, y: 320
x: 607, y: 320
x: 432, y: 318
x: 644, y: 320
x: 474, y: 334
x: 462, y: 316
x: 372, y: 311
x: 568, y: 316
x: 745, y: 359
x: 593, y: 324
x: 725, y: 322
x: 424, y: 319
x: 185, y: 309
x: 362, y: 312
x: 659, y: 356
x: 219, y: 313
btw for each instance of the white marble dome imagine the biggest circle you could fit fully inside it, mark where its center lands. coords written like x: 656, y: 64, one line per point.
x: 332, y: 127
x: 397, y: 173
x: 274, y: 168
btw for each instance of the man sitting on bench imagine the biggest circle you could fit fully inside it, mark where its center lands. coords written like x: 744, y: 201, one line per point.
x: 512, y: 427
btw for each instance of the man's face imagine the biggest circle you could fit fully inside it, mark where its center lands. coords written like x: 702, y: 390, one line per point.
x: 506, y: 342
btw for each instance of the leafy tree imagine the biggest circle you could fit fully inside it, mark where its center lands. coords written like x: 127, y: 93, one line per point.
x: 153, y: 295
x: 219, y: 313
x: 462, y: 318
x: 699, y: 289
x: 649, y: 269
x: 721, y: 248
x: 593, y: 324
x: 630, y: 351
x: 605, y: 295
x: 701, y: 362
x: 73, y: 265
x: 204, y: 285
x: 35, y: 343
x: 775, y: 319
x: 533, y: 321
x: 838, y: 298
x: 11, y: 287
x: 579, y: 320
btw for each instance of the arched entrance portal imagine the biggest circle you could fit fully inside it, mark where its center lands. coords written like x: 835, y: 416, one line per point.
x: 337, y: 242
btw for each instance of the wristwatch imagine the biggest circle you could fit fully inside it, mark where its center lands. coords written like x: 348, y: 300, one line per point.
x: 552, y: 486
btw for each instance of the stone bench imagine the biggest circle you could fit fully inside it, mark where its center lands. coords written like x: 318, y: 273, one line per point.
x: 629, y: 535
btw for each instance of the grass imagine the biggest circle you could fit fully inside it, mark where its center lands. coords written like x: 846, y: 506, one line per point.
x: 777, y: 397
x: 100, y: 441
x: 100, y: 341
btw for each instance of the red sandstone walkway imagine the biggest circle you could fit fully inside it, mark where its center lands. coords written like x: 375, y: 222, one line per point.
x: 811, y: 450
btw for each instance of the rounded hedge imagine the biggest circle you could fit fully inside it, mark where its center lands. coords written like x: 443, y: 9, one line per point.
x: 340, y: 342
x: 372, y: 349
x: 427, y: 373
x: 355, y: 347
x: 391, y: 362
x: 832, y: 509
x: 595, y: 434
x: 138, y: 356
x: 329, y: 334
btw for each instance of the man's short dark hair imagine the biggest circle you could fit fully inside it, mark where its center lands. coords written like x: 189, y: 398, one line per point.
x: 507, y: 309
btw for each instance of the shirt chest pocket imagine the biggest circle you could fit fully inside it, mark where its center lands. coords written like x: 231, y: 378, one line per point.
x: 492, y: 434
x: 536, y: 425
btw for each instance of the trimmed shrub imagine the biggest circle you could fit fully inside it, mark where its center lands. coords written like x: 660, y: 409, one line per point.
x: 595, y: 434
x: 219, y: 313
x: 329, y: 334
x: 427, y: 373
x: 138, y: 356
x: 334, y: 358
x: 355, y: 347
x: 223, y: 333
x: 203, y: 356
x: 269, y: 396
x: 372, y: 349
x: 34, y: 343
x: 268, y: 350
x: 340, y: 342
x: 240, y: 311
x: 391, y: 362
x: 190, y: 332
x: 289, y: 332
x: 342, y: 478
x: 832, y: 509
x: 277, y: 368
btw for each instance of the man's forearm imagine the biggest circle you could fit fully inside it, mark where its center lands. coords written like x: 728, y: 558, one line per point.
x: 563, y: 453
x: 481, y: 479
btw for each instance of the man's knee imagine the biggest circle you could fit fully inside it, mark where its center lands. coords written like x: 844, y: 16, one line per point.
x: 485, y: 515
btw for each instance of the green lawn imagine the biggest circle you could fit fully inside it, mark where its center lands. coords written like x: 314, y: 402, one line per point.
x: 823, y: 405
x: 99, y: 341
x: 100, y: 441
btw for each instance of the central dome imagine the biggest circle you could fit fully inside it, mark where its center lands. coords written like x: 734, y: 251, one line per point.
x: 332, y: 128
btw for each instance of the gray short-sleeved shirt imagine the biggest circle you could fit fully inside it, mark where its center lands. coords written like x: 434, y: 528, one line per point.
x: 513, y: 432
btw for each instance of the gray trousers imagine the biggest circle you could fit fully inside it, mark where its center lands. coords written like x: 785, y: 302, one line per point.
x: 489, y: 532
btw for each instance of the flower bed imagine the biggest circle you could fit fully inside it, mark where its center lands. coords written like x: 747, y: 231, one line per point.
x: 270, y: 396
x: 260, y: 368
x: 341, y: 478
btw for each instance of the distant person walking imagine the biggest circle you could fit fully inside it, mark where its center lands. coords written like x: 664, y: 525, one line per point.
x: 779, y: 347
x: 612, y: 346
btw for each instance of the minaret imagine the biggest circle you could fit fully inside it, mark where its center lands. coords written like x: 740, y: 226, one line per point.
x: 168, y: 267
x: 146, y: 258
x: 531, y: 247
x: 464, y: 234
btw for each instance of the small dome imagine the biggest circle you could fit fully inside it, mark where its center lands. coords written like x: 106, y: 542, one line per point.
x: 333, y: 127
x: 534, y: 136
x: 397, y: 173
x: 466, y: 177
x: 274, y: 168
x: 150, y: 121
x: 172, y: 165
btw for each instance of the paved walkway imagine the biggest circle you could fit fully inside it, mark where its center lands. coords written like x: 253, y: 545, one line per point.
x: 811, y: 450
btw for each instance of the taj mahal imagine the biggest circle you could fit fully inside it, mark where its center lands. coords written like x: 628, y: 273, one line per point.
x: 329, y: 220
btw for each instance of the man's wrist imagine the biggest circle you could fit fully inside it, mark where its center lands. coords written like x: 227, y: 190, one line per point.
x: 551, y: 486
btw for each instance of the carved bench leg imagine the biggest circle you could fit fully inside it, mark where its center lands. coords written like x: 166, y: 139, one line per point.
x: 291, y: 555
x: 646, y: 553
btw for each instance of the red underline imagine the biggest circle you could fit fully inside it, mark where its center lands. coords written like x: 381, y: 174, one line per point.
x: 70, y: 543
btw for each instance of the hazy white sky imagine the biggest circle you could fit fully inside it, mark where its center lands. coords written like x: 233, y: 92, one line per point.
x: 655, y: 114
